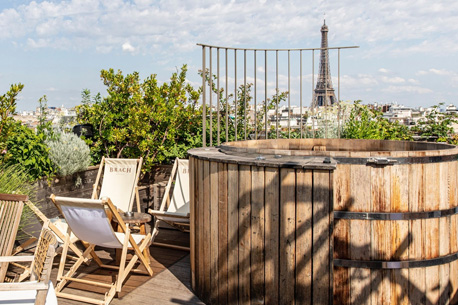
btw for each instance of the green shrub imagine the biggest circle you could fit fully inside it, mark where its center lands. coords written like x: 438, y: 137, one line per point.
x: 69, y: 153
x: 15, y: 180
x: 28, y: 150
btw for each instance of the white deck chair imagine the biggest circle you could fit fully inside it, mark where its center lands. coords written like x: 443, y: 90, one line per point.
x: 119, y: 182
x: 89, y: 220
x: 39, y: 289
x: 174, y: 210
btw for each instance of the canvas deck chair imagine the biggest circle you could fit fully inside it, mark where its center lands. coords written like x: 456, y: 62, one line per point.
x: 174, y: 210
x: 119, y: 182
x: 118, y: 179
x: 39, y: 289
x: 10, y: 216
x: 89, y: 220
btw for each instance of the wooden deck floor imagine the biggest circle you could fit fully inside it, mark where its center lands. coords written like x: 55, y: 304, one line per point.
x: 170, y: 283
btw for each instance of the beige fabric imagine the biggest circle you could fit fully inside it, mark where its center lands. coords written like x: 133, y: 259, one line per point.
x: 119, y: 179
x: 62, y: 225
x: 180, y: 197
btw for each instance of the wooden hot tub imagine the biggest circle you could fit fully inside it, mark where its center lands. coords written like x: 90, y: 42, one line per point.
x: 325, y: 221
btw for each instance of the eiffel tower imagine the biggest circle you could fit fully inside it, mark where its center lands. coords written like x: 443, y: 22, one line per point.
x: 324, y: 92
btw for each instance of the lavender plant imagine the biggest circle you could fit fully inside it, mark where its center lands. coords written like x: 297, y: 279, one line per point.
x: 69, y: 153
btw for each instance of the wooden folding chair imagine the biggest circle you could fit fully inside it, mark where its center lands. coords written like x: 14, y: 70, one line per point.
x: 39, y: 289
x: 174, y: 209
x: 89, y: 220
x: 10, y: 216
x: 118, y: 179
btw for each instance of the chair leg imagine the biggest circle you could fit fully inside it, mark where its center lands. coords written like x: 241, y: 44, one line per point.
x: 122, y: 264
x: 64, y: 279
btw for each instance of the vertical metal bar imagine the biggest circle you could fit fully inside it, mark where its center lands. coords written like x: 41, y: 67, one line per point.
x: 227, y: 104
x: 235, y: 91
x: 338, y: 94
x: 300, y: 98
x: 276, y: 92
x: 204, y: 110
x: 326, y: 74
x: 289, y: 95
x: 218, y: 97
x: 313, y: 101
x: 255, y: 105
x: 265, y: 93
x: 211, y: 97
x: 245, y: 90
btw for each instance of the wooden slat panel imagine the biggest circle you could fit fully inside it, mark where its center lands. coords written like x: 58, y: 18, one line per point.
x: 321, y: 246
x: 417, y: 279
x: 206, y: 232
x: 199, y: 232
x: 342, y: 201
x: 452, y: 182
x: 400, y: 233
x: 272, y: 225
x: 432, y: 175
x: 444, y: 231
x: 257, y: 235
x: 193, y: 185
x: 304, y: 212
x: 214, y: 246
x: 360, y: 233
x: 244, y: 233
x: 381, y: 233
x: 232, y: 229
x: 10, y: 217
x: 287, y: 234
x: 223, y: 234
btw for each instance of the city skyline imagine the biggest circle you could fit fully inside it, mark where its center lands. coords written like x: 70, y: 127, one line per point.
x: 408, y: 50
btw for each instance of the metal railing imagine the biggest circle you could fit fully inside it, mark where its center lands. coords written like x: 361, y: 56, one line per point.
x: 210, y: 89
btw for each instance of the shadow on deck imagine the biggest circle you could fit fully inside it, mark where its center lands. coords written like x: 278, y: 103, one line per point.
x: 170, y: 284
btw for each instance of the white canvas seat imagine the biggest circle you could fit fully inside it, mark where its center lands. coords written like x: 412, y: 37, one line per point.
x: 39, y: 289
x: 119, y: 183
x: 174, y: 210
x: 90, y: 220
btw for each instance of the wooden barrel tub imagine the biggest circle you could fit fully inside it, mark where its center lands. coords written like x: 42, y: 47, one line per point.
x: 324, y: 221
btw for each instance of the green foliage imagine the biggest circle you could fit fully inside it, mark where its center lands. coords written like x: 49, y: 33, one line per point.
x: 44, y: 125
x: 69, y: 153
x: 140, y: 118
x: 239, y: 121
x: 7, y: 109
x: 28, y: 150
x: 436, y: 125
x: 367, y: 123
x: 15, y: 180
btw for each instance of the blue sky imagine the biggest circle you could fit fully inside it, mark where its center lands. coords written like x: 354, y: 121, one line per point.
x: 408, y: 49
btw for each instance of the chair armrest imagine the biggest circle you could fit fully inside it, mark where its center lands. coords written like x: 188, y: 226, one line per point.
x: 168, y: 214
x: 9, y: 259
x: 34, y: 285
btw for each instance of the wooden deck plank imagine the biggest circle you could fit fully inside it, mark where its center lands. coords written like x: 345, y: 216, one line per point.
x: 170, y: 284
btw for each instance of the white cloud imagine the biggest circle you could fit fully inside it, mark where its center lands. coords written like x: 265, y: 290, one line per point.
x: 393, y: 80
x: 383, y: 70
x: 127, y: 47
x: 407, y: 89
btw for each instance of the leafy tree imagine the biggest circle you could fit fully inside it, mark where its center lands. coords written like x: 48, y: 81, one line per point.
x: 367, y: 123
x: 139, y: 118
x: 7, y: 109
x: 436, y: 125
x: 240, y: 109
